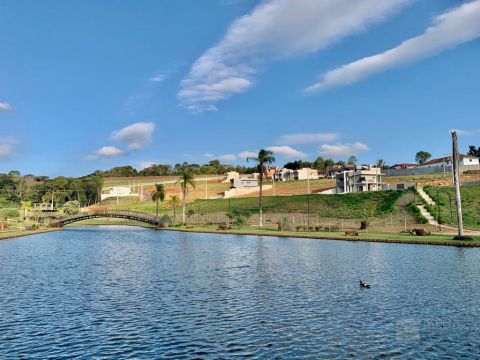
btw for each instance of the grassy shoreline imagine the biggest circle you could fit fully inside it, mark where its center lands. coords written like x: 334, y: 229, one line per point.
x: 5, y: 235
x: 434, y: 239
x: 378, y: 237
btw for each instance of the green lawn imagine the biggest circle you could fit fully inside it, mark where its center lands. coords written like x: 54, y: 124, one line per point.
x: 470, y: 204
x: 434, y: 239
x: 348, y: 206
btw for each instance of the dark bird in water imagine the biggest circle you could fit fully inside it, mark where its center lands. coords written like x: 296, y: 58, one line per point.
x: 364, y: 285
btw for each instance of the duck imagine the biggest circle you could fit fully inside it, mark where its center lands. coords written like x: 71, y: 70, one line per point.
x: 364, y: 285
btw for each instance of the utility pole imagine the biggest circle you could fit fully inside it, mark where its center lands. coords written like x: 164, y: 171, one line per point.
x: 308, y: 182
x: 456, y: 185
x: 438, y: 210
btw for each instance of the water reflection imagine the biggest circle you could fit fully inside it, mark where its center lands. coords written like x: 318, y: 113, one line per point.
x: 136, y: 293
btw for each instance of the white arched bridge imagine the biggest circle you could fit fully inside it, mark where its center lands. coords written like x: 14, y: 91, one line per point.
x: 128, y: 215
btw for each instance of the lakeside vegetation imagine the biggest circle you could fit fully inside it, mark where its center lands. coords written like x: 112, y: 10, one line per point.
x: 444, y: 198
x: 356, y: 205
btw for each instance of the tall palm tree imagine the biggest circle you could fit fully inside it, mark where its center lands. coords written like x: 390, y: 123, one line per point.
x: 158, y: 195
x: 186, y: 180
x: 264, y: 157
x: 174, y: 202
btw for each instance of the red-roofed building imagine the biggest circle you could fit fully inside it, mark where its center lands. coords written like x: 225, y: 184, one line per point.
x: 465, y: 160
x: 404, y: 166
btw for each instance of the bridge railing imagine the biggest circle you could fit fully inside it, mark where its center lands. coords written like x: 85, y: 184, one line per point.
x: 135, y: 214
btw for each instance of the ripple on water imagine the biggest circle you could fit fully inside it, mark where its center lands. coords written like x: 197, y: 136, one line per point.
x: 136, y: 293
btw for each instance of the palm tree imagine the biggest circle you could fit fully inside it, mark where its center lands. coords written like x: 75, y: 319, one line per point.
x: 186, y: 180
x: 174, y: 201
x: 158, y: 195
x: 264, y: 157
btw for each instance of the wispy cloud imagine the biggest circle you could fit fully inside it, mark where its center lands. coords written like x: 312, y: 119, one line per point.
x: 452, y: 28
x: 468, y: 132
x: 335, y: 150
x: 286, y: 151
x: 143, y: 164
x: 224, y: 157
x: 5, y: 107
x: 227, y: 157
x: 106, y: 152
x: 7, y: 146
x: 247, y: 154
x: 307, y: 138
x: 136, y: 136
x: 158, y: 78
x: 272, y: 30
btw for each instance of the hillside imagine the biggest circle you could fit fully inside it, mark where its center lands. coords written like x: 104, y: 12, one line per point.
x: 445, y: 197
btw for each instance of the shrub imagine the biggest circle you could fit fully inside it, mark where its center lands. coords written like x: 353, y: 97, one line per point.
x: 9, y: 213
x: 239, y: 216
x: 166, y: 220
x: 71, y: 207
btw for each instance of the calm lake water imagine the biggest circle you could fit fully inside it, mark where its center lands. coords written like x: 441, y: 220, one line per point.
x: 126, y: 292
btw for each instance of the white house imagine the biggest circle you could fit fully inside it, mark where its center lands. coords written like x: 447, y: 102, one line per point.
x: 465, y: 160
x: 117, y: 191
x: 300, y: 174
x: 363, y: 178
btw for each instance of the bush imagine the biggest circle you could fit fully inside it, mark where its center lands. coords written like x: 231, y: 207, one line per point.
x: 415, y: 211
x: 239, y: 216
x: 9, y: 213
x: 71, y: 207
x: 166, y: 220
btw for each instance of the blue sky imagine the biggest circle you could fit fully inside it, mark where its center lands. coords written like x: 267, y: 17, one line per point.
x: 88, y: 85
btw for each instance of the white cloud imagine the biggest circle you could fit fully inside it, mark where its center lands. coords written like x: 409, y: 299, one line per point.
x: 452, y: 28
x: 227, y: 157
x: 247, y: 154
x: 145, y: 164
x: 5, y: 107
x: 136, y: 136
x: 5, y: 150
x: 286, y: 151
x: 110, y: 151
x: 307, y: 138
x: 158, y: 78
x: 274, y: 29
x: 7, y: 146
x: 468, y: 132
x: 335, y: 150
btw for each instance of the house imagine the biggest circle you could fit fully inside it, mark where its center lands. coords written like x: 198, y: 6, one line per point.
x: 332, y: 171
x: 305, y: 174
x: 465, y: 160
x: 300, y: 174
x: 403, y: 166
x: 231, y: 175
x: 363, y: 178
x: 242, y: 183
x: 117, y: 191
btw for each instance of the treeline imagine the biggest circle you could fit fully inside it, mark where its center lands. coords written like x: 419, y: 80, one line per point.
x: 16, y: 190
x: 213, y: 167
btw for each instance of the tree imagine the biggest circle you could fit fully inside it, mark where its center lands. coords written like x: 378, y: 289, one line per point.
x: 422, y: 157
x: 14, y: 173
x: 158, y: 195
x: 174, y: 202
x: 186, y: 180
x: 473, y: 150
x: 352, y: 160
x: 319, y: 164
x: 71, y: 207
x: 380, y: 163
x: 329, y: 163
x: 264, y: 157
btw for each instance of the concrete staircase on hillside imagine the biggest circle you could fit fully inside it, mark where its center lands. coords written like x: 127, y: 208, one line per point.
x: 423, y: 209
